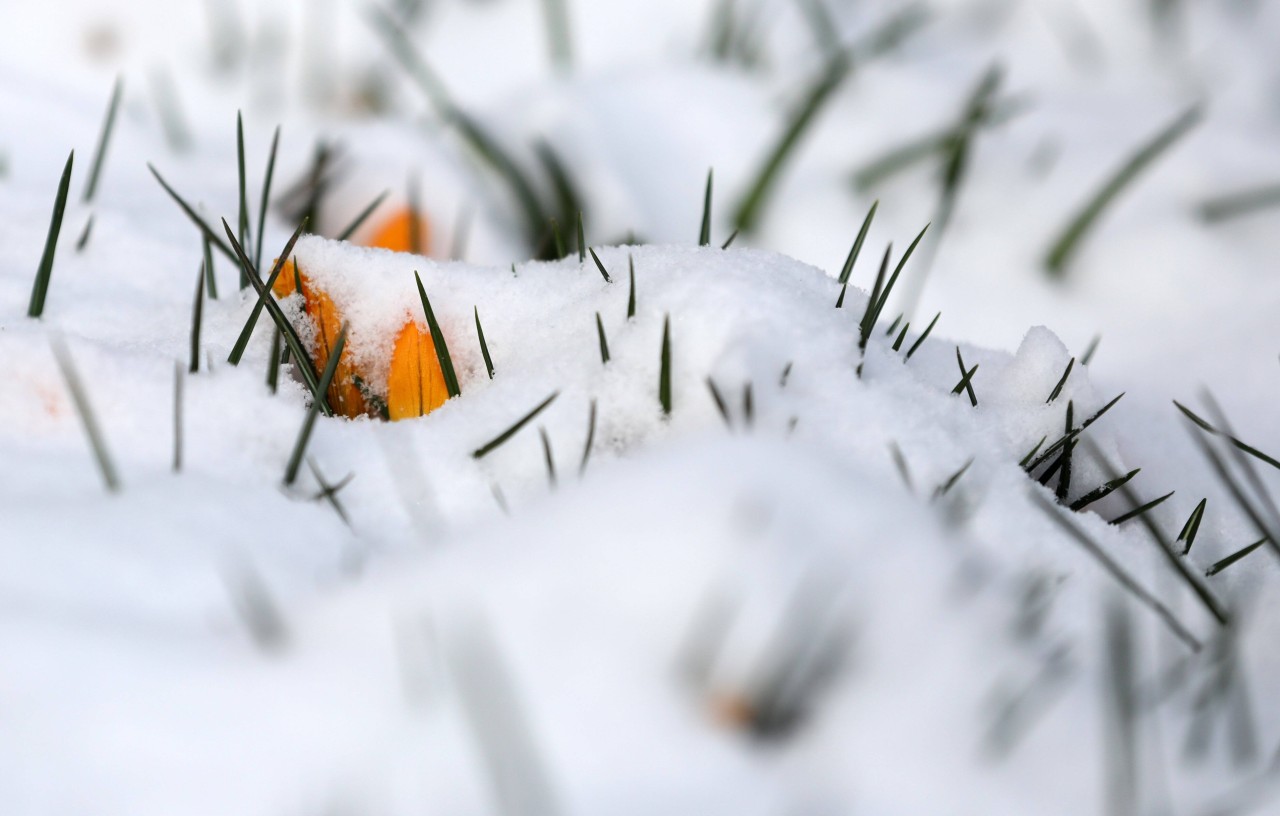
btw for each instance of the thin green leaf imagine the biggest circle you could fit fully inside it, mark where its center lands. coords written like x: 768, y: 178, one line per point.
x: 437, y: 338
x: 664, y: 374
x: 359, y: 220
x: 484, y: 347
x: 104, y: 139
x: 604, y: 342
x: 1140, y: 510
x: 497, y: 441
x: 1102, y: 491
x: 242, y: 342
x: 591, y: 439
x: 1219, y: 566
x: 197, y: 319
x: 604, y: 273
x: 1192, y: 527
x: 40, y: 289
x: 308, y: 424
x: 80, y: 398
x: 204, y: 228
x: 920, y: 340
x: 1057, y: 389
x: 704, y: 235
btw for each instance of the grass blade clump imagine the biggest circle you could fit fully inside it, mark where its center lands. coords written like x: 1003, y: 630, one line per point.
x: 40, y: 289
x: 664, y: 373
x: 484, y: 347
x: 1066, y: 246
x: 497, y: 441
x: 437, y: 338
x: 291, y: 338
x: 880, y: 295
x: 308, y: 424
x: 604, y: 341
x: 104, y: 139
x: 359, y: 220
x: 87, y: 418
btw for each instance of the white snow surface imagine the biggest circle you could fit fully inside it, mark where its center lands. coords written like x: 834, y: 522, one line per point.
x: 481, y: 635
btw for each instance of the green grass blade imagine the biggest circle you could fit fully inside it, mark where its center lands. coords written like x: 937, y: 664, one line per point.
x: 1031, y: 454
x: 242, y: 342
x: 704, y: 235
x: 1244, y: 202
x: 1102, y: 491
x: 582, y: 241
x: 888, y: 288
x: 631, y: 296
x: 920, y: 340
x: 664, y: 373
x: 1249, y: 449
x: 197, y: 319
x: 1072, y: 237
x: 867, y: 323
x: 847, y: 269
x: 1092, y: 349
x: 902, y: 335
x: 484, y: 347
x: 966, y: 380
x: 104, y: 139
x: 604, y: 341
x: 1064, y: 482
x: 40, y: 289
x: 497, y: 441
x: 274, y: 361
x: 84, y: 235
x: 204, y: 228
x: 1057, y: 389
x: 893, y: 326
x: 308, y: 424
x: 748, y: 406
x: 437, y: 338
x: 243, y: 220
x: 363, y: 216
x: 265, y: 201
x: 604, y: 273
x: 1219, y: 566
x: 1141, y: 509
x: 87, y: 418
x: 844, y: 287
x: 1192, y: 527
x: 945, y: 488
x: 900, y: 462
x: 729, y: 241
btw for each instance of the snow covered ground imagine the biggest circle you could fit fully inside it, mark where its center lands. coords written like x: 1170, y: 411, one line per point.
x: 802, y: 590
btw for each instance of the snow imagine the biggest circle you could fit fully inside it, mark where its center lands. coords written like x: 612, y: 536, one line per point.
x: 482, y: 637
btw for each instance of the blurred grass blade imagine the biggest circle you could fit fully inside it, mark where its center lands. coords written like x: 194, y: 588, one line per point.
x: 1244, y: 202
x: 1031, y: 454
x: 104, y: 140
x: 1249, y: 449
x: 484, y: 347
x: 488, y: 447
x: 1121, y: 577
x: 87, y: 418
x: 437, y: 338
x: 210, y: 278
x: 243, y: 220
x: 1087, y: 357
x: 559, y: 40
x: 363, y: 216
x: 945, y: 488
x: 900, y: 462
x: 749, y: 212
x: 729, y: 241
x: 84, y: 235
x: 718, y: 399
x: 1069, y: 242
x: 274, y: 361
x: 548, y: 457
x: 40, y: 289
x: 177, y: 416
x: 308, y: 424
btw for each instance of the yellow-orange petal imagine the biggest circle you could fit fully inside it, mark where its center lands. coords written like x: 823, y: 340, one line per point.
x: 345, y: 397
x: 397, y: 233
x: 415, y: 385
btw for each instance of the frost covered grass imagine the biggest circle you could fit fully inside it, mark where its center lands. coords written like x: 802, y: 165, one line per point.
x: 711, y: 515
